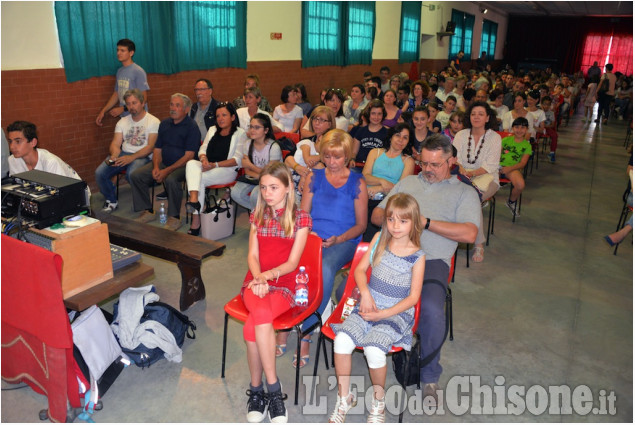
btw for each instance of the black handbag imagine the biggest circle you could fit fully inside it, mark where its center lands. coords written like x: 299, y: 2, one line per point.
x: 247, y: 179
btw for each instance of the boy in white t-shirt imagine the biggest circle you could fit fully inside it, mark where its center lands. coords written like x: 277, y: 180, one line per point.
x: 448, y: 107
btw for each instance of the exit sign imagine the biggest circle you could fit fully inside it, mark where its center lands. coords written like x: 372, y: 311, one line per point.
x: 276, y: 36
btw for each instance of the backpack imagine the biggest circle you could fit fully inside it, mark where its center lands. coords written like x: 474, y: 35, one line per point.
x: 175, y: 321
x: 604, y: 86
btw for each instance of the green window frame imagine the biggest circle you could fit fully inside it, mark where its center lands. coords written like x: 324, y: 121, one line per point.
x: 409, y: 35
x: 488, y: 38
x: 462, y: 38
x: 337, y: 33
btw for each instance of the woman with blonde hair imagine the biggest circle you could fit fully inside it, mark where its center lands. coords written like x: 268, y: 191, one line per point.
x: 337, y: 200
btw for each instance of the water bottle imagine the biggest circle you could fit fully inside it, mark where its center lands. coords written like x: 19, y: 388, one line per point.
x: 163, y: 215
x: 302, y: 288
x: 351, y: 302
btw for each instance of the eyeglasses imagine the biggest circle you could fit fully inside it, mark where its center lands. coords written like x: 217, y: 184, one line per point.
x: 320, y: 120
x: 255, y: 127
x: 434, y: 165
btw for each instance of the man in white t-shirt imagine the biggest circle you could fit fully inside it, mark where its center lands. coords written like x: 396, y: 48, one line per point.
x: 131, y: 146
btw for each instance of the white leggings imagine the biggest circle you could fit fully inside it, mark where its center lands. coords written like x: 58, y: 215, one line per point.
x: 198, y: 180
x: 375, y: 357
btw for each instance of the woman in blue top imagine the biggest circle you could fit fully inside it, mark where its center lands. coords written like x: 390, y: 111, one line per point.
x: 386, y: 166
x: 337, y: 200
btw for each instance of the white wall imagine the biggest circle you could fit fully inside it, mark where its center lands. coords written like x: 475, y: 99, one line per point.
x: 29, y: 33
x: 29, y: 36
x: 436, y: 20
x: 265, y: 17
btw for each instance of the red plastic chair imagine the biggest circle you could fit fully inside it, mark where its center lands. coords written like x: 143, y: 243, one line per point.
x: 336, y: 316
x: 294, y: 137
x: 312, y: 260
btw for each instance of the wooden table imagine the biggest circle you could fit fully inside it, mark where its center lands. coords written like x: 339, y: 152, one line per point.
x: 188, y: 252
x: 131, y: 275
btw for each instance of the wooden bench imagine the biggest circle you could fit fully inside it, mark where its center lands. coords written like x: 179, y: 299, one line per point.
x: 186, y: 251
x: 131, y: 275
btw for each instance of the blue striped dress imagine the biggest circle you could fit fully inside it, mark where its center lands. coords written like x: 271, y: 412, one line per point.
x: 389, y: 283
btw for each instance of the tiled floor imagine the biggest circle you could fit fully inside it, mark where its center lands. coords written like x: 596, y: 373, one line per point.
x: 550, y: 306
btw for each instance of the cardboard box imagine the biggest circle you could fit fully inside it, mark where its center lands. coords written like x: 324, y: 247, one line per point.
x: 86, y: 254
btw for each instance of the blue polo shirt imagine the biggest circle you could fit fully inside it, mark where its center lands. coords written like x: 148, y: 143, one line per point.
x: 176, y: 139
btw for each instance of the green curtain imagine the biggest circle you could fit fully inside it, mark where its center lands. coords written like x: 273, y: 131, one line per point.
x: 488, y: 38
x: 321, y: 33
x: 360, y: 32
x: 410, y: 31
x: 337, y: 33
x: 169, y: 36
x: 215, y: 36
x: 462, y: 38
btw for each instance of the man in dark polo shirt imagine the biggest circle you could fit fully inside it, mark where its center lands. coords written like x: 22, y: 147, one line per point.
x: 177, y: 142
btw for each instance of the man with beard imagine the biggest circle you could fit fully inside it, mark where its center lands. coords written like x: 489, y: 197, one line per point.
x: 131, y: 146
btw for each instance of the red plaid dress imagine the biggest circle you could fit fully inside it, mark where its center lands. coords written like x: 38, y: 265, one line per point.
x: 274, y: 248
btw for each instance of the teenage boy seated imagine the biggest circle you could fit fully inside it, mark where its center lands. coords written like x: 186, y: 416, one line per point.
x: 402, y: 95
x: 515, y: 152
x: 448, y: 107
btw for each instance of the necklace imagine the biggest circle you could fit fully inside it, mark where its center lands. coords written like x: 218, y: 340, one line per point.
x: 469, y: 148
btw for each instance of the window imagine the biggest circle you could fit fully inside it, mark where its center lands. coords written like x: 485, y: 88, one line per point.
x: 169, y: 36
x: 462, y: 38
x: 488, y: 38
x: 337, y: 33
x: 410, y: 30
x: 214, y: 36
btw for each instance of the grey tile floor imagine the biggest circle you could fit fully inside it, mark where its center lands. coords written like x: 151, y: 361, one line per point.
x: 550, y: 306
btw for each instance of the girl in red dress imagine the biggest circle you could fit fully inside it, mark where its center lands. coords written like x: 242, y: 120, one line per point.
x: 279, y: 231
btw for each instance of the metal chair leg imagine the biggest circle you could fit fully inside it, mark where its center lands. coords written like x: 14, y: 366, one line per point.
x: 222, y: 373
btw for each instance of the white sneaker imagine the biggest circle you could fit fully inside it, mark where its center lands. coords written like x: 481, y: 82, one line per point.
x: 110, y: 206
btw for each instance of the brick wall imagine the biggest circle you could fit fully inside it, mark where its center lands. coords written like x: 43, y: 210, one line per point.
x: 65, y: 112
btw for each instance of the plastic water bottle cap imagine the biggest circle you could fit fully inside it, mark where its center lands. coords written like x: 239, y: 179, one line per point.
x: 302, y: 269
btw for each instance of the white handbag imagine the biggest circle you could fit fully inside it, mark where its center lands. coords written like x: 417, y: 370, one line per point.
x: 217, y: 220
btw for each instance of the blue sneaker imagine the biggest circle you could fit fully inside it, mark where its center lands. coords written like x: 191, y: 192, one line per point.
x: 552, y: 157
